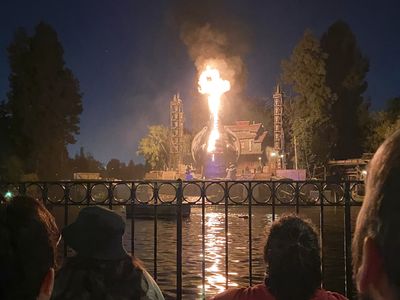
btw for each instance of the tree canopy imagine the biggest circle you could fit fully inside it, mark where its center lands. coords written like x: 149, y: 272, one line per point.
x: 383, y: 124
x: 44, y: 102
x: 154, y: 147
x: 84, y: 162
x: 119, y: 170
x: 311, y: 105
x: 346, y: 70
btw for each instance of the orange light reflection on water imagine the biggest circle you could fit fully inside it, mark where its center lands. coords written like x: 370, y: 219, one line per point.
x: 215, y: 255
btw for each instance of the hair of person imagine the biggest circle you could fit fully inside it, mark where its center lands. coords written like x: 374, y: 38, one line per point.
x: 83, y: 278
x: 292, y: 257
x: 379, y: 216
x: 28, y: 239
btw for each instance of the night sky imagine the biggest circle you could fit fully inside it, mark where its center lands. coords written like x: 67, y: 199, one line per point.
x: 130, y: 60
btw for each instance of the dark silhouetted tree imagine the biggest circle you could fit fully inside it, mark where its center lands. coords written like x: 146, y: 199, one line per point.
x: 44, y: 102
x: 393, y: 109
x: 346, y: 69
x: 115, y: 169
x: 132, y: 171
x: 304, y: 73
x: 84, y: 162
x: 11, y: 167
x: 139, y: 172
x: 383, y: 124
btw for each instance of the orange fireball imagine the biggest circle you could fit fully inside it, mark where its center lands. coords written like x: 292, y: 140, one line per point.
x: 211, y: 84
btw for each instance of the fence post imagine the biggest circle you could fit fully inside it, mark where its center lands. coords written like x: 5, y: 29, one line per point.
x: 226, y: 224
x: 22, y: 189
x: 203, y: 243
x: 67, y: 196
x: 45, y: 194
x: 179, y: 196
x: 250, y: 199
x: 321, y: 230
x: 155, y: 229
x: 347, y: 245
x: 273, y: 196
x: 110, y: 192
x: 132, y: 208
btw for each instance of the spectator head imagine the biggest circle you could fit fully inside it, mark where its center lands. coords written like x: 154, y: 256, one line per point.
x: 28, y: 239
x: 376, y: 243
x: 101, y: 268
x: 96, y: 233
x: 292, y: 256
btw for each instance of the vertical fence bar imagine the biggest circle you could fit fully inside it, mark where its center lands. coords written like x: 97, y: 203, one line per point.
x: 88, y: 194
x: 250, y: 199
x: 179, y: 195
x: 347, y: 241
x: 273, y: 196
x: 203, y: 245
x: 155, y: 230
x: 110, y: 195
x: 132, y: 207
x: 321, y: 231
x: 297, y: 197
x: 226, y: 188
x: 45, y: 194
x: 22, y: 189
x: 66, y: 199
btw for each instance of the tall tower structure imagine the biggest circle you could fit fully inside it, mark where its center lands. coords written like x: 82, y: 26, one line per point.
x: 176, y: 126
x: 279, y: 138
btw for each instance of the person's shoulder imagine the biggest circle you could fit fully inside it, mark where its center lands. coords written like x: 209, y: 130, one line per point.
x: 336, y: 296
x: 256, y: 292
x: 151, y: 288
x: 328, y: 295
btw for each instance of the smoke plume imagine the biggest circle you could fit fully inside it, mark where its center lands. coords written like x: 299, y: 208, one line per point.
x: 213, y: 36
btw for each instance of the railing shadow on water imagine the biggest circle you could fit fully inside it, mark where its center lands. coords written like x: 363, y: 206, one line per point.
x: 239, y: 207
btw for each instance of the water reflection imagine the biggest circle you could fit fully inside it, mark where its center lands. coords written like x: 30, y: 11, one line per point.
x: 215, y: 253
x: 238, y: 245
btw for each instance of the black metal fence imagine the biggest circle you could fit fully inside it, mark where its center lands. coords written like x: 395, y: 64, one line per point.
x: 156, y: 199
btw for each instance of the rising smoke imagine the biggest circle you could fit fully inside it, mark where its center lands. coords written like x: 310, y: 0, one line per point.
x: 214, y: 36
x: 208, y: 46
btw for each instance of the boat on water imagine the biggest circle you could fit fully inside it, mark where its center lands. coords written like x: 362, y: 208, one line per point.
x: 159, y: 210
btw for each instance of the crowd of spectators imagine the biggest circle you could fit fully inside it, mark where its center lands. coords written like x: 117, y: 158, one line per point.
x: 102, y: 269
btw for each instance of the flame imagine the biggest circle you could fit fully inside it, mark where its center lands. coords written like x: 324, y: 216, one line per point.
x: 211, y: 84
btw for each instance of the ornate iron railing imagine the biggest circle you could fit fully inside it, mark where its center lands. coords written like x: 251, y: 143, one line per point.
x: 134, y: 195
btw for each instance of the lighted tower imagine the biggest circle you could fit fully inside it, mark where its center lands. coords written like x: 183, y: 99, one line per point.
x: 279, y: 138
x: 176, y: 125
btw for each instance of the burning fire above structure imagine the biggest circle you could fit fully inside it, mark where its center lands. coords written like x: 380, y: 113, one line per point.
x: 214, y: 147
x: 211, y: 84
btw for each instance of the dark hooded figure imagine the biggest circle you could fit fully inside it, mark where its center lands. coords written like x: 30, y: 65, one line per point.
x: 101, y: 269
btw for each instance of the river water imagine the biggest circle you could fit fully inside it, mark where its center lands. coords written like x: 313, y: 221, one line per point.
x: 214, y: 237
x: 238, y: 247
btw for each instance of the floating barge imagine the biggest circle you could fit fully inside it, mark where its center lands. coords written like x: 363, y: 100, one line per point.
x: 160, y: 210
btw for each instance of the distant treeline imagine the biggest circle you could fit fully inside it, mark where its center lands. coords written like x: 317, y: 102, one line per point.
x: 114, y: 169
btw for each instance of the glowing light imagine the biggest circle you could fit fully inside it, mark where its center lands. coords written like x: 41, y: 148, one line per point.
x: 8, y: 195
x: 212, y: 85
x: 364, y: 172
x: 273, y: 154
x: 214, y: 247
